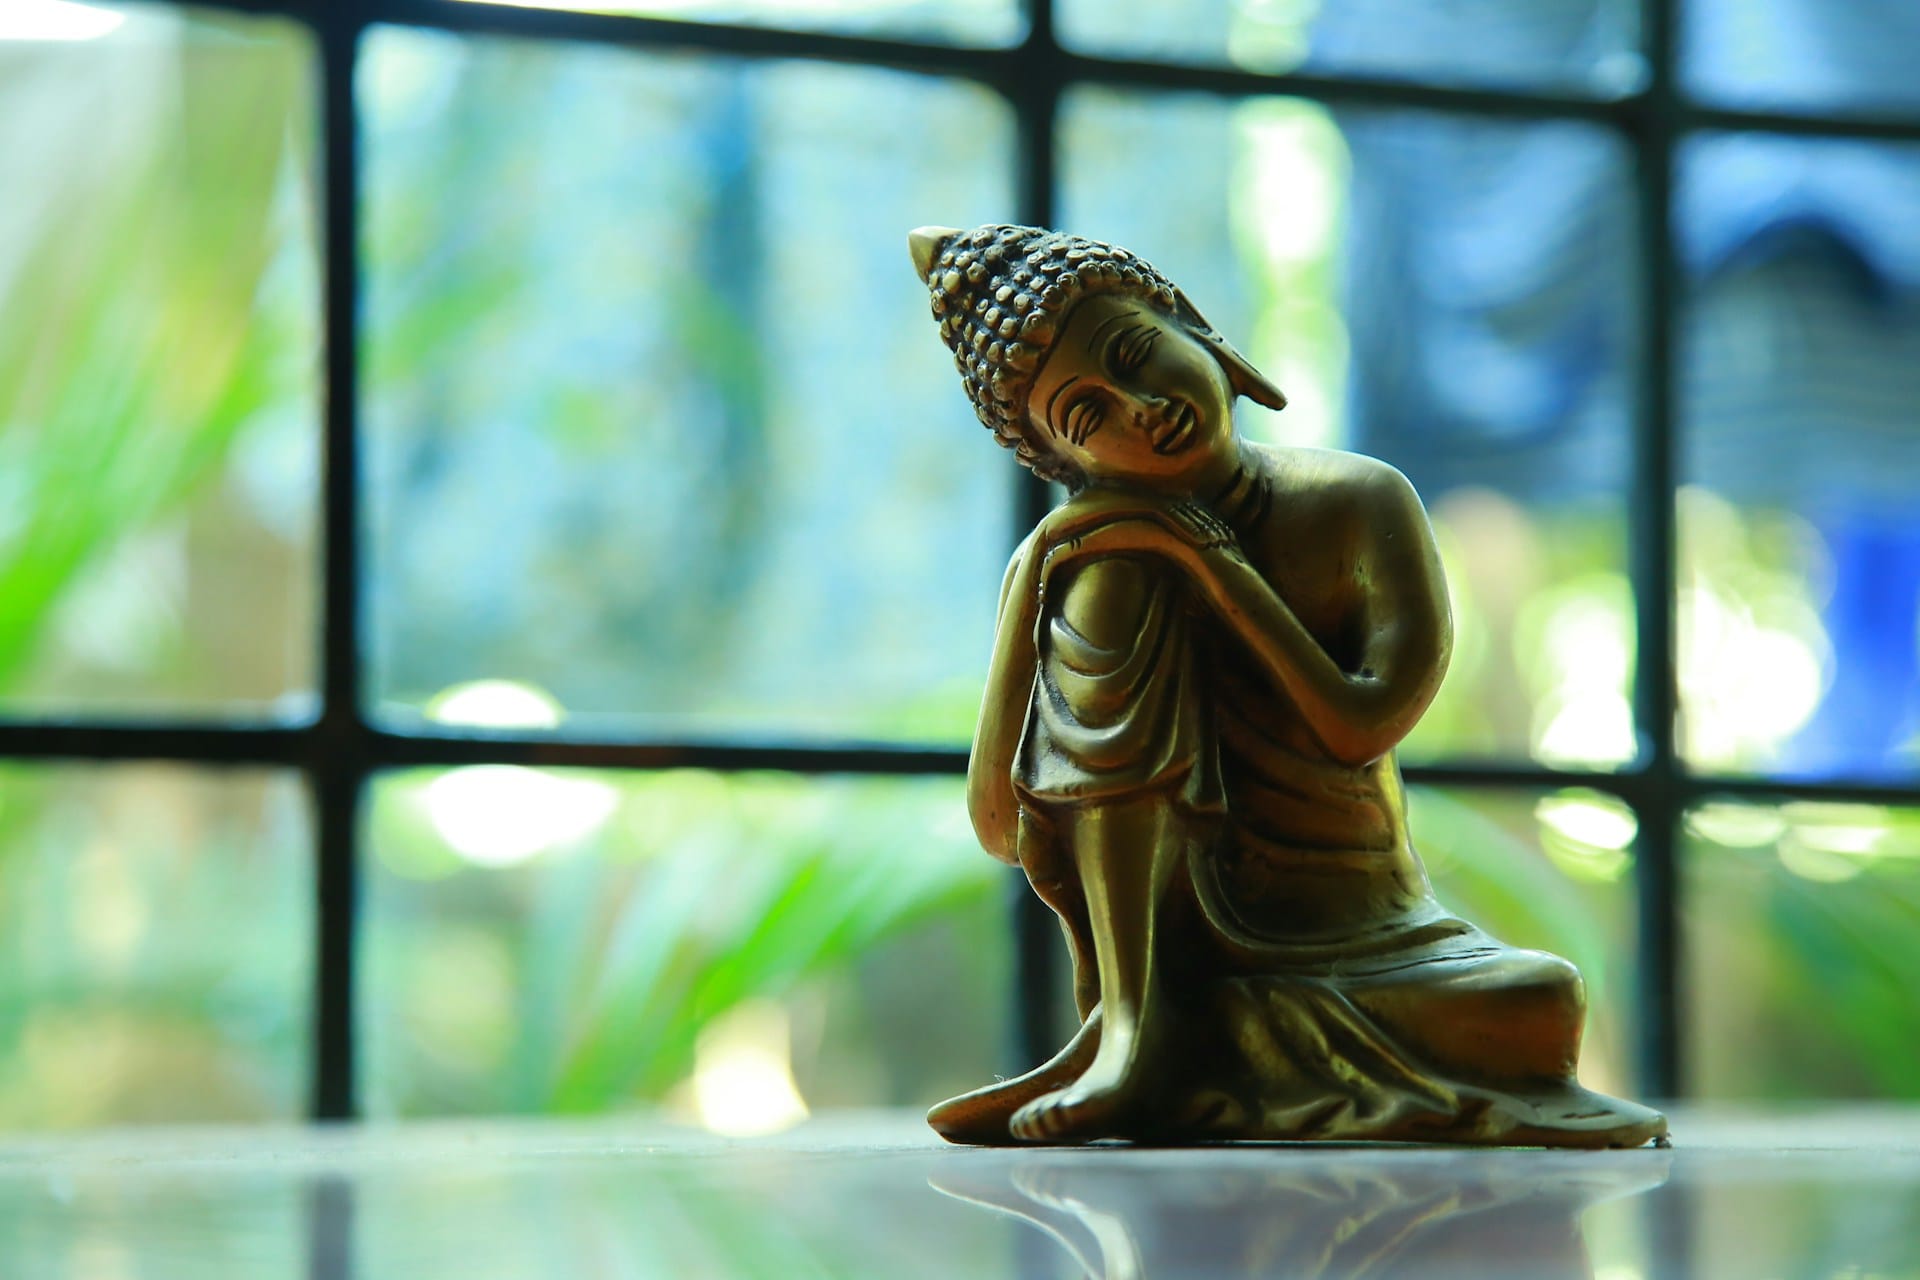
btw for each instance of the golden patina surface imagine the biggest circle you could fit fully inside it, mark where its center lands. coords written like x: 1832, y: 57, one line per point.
x: 1204, y: 660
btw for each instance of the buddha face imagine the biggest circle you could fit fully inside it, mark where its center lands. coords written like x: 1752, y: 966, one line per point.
x: 1130, y: 396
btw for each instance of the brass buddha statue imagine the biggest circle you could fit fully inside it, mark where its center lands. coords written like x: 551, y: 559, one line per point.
x: 1204, y: 659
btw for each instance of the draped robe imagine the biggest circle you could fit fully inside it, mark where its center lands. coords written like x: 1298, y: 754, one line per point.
x: 1321, y: 990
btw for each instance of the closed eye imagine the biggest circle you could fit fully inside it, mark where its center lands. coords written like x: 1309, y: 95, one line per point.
x: 1084, y: 417
x: 1130, y: 347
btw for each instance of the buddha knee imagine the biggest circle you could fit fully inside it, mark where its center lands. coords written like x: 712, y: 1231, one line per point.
x: 1513, y: 1015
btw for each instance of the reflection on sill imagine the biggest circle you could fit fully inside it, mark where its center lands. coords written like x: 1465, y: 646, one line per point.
x: 1362, y: 1211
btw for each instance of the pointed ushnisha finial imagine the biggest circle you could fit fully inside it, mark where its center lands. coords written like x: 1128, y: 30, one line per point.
x: 924, y: 243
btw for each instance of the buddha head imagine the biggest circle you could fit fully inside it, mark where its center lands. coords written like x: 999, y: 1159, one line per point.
x: 1082, y: 358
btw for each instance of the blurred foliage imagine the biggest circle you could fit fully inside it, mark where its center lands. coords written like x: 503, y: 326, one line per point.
x: 1543, y: 635
x: 580, y: 974
x: 646, y: 401
x: 160, y: 317
x: 156, y: 391
x: 1755, y: 657
x: 134, y: 989
x: 580, y: 941
x: 1799, y: 925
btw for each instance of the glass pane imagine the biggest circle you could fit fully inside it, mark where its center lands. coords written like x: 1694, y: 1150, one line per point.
x: 1799, y: 530
x: 1482, y: 345
x: 1552, y: 870
x: 155, y: 945
x: 1803, y: 54
x: 1581, y: 46
x: 649, y: 434
x: 979, y: 22
x: 742, y: 947
x: 1799, y: 933
x: 158, y: 421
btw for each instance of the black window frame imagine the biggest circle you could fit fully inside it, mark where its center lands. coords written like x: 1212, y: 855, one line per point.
x: 340, y: 749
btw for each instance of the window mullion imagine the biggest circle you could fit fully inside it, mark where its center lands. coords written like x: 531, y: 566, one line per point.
x: 1651, y: 559
x: 342, y: 758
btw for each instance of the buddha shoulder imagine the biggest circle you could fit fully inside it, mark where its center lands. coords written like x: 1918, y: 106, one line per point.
x: 1334, y: 487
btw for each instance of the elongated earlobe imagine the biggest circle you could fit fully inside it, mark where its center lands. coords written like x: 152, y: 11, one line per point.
x: 1247, y: 380
x: 1241, y: 375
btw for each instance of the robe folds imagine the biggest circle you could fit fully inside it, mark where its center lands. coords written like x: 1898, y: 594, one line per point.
x: 1320, y: 990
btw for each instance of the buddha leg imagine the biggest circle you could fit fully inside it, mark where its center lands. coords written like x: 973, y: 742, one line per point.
x: 1126, y: 853
x: 1508, y: 1017
x: 1054, y: 881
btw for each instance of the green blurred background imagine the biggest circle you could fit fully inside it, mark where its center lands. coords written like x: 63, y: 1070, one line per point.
x: 658, y: 443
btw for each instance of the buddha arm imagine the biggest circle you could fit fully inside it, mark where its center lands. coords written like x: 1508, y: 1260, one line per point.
x: 991, y: 802
x: 1405, y: 624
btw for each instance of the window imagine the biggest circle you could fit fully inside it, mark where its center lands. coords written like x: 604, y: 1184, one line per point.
x: 562, y: 372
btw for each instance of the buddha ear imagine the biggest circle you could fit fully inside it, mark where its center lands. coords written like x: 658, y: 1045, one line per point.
x: 1241, y: 375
